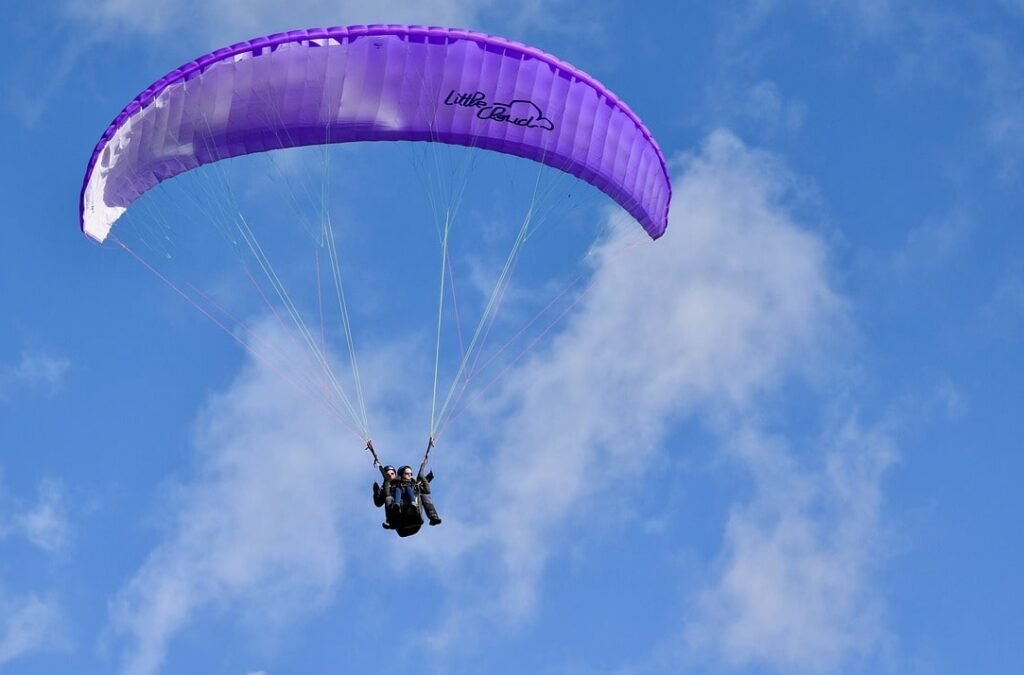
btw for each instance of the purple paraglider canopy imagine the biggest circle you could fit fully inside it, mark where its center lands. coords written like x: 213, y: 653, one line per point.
x: 376, y: 83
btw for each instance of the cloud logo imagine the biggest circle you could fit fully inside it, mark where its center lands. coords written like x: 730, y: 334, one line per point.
x: 520, y: 112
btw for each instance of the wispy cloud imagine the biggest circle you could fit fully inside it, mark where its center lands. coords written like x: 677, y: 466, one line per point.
x: 697, y: 323
x: 958, y: 52
x: 28, y: 624
x: 277, y: 498
x: 931, y: 246
x: 795, y: 589
x: 707, y: 324
x: 221, y: 21
x: 965, y: 55
x: 199, y: 25
x: 1016, y: 6
x: 46, y: 524
x: 34, y: 371
x: 926, y: 267
x: 208, y: 24
x: 1003, y: 313
x: 258, y: 523
x: 761, y: 103
x: 32, y: 88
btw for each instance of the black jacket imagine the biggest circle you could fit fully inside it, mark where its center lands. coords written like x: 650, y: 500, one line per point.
x: 380, y: 494
x: 422, y: 483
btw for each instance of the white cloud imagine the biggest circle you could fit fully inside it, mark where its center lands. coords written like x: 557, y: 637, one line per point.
x: 924, y: 264
x: 46, y: 524
x: 962, y: 55
x: 766, y: 102
x: 29, y: 91
x: 956, y: 52
x: 279, y: 494
x: 933, y: 244
x: 35, y: 370
x: 795, y: 588
x: 1016, y: 6
x: 950, y: 399
x: 1001, y: 316
x: 221, y: 21
x: 734, y: 301
x: 27, y: 625
x: 762, y: 103
x: 875, y: 17
x: 210, y: 24
x: 258, y: 524
x: 30, y: 623
x: 706, y: 323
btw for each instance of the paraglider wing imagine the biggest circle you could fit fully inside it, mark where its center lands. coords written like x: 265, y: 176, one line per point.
x: 376, y: 83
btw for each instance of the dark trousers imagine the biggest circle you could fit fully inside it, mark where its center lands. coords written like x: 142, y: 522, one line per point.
x: 428, y: 506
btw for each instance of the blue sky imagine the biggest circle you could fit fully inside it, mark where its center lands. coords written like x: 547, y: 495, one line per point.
x: 782, y: 439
